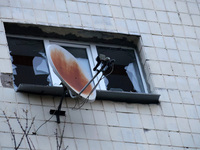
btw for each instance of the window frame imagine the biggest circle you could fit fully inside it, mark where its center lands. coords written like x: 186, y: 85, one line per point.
x: 91, y: 52
x: 63, y: 43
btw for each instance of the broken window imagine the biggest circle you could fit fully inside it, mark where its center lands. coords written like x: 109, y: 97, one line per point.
x: 29, y: 61
x: 30, y: 65
x: 126, y: 75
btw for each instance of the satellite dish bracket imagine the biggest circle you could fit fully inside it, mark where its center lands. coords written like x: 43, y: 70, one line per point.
x: 89, y: 84
x: 59, y: 112
x: 107, y: 64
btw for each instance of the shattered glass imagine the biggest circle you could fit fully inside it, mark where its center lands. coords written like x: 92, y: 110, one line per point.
x: 126, y: 75
x: 29, y: 61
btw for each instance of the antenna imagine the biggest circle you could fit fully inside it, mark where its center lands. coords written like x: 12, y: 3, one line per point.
x: 73, y: 79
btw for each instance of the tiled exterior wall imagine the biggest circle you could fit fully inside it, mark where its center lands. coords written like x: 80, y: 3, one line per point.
x: 170, y: 52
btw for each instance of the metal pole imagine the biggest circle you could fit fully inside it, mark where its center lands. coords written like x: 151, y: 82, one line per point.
x: 88, y: 83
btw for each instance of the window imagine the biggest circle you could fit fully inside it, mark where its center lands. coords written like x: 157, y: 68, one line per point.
x: 29, y: 61
x: 32, y: 73
x: 31, y: 67
x: 126, y: 75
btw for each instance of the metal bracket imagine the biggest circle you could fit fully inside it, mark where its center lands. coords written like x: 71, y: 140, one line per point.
x: 59, y: 112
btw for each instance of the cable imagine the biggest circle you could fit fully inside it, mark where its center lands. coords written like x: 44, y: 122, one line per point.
x: 80, y: 104
x: 34, y: 133
x: 59, y: 106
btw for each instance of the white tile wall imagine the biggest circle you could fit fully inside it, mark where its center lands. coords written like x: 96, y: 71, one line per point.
x: 135, y: 3
x: 6, y: 12
x: 103, y: 133
x: 183, y: 125
x: 79, y: 131
x: 182, y: 83
x: 147, y: 4
x: 166, y: 68
x: 187, y: 140
x: 166, y: 29
x: 151, y: 137
x: 159, y: 123
x: 175, y: 139
x: 187, y: 97
x: 112, y: 119
x: 87, y: 116
x: 196, y: 139
x: 107, y: 145
x: 151, y: 15
x: 121, y: 25
x: 189, y: 32
x: 130, y: 146
x: 105, y: 10
x: 163, y: 137
x: 115, y: 134
x: 179, y: 110
x: 193, y: 8
x: 135, y: 120
x: 196, y: 97
x: 140, y: 138
x: 170, y: 51
x: 154, y: 67
x: 147, y: 121
x: 75, y: 116
x: 191, y: 111
x: 128, y: 135
x: 185, y: 56
x: 123, y: 120
x: 128, y: 13
x: 171, y: 124
x: 100, y: 118
x: 94, y: 144
x: 91, y: 132
x: 81, y: 144
x: 40, y: 16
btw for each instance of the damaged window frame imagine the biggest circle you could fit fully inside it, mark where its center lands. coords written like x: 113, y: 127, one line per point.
x: 92, y: 53
x: 42, y: 55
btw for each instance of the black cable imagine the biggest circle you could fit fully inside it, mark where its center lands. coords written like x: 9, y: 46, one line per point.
x: 34, y: 133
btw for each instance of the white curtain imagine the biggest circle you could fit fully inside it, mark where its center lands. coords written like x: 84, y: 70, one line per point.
x: 131, y: 72
x: 40, y: 66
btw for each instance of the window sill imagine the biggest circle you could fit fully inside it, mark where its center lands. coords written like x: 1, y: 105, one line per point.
x: 115, y: 96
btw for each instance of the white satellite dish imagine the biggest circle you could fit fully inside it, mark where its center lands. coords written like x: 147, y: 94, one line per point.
x: 66, y: 67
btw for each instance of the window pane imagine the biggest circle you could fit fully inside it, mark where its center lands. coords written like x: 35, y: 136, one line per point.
x: 126, y: 75
x: 77, y: 52
x: 29, y: 61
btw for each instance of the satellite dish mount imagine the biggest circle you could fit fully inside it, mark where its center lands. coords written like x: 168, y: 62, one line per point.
x: 59, y: 58
x: 59, y: 112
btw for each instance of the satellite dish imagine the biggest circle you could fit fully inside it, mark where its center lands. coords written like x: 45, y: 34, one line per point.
x: 66, y: 67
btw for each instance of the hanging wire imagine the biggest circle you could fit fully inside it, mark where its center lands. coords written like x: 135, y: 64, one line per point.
x: 87, y: 99
x: 34, y: 133
x: 63, y: 96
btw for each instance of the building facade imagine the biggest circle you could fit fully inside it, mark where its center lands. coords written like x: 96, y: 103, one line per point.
x: 165, y: 38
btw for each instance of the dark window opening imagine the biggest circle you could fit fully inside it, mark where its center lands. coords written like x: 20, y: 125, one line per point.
x: 126, y: 75
x: 29, y: 61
